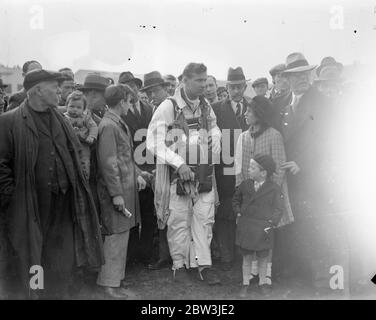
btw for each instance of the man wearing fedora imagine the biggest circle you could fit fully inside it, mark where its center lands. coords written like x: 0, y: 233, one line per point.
x: 155, y: 87
x: 51, y: 217
x: 184, y: 193
x: 231, y: 120
x: 304, y: 128
x: 138, y: 119
x: 157, y: 90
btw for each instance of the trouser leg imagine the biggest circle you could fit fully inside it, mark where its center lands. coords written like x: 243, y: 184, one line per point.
x: 202, y: 229
x: 226, y: 232
x: 115, y: 253
x: 164, y: 253
x: 178, y: 228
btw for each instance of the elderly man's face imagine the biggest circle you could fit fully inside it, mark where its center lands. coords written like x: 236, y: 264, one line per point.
x: 261, y: 89
x: 95, y: 100
x: 49, y: 91
x: 236, y: 91
x: 66, y: 89
x: 300, y: 82
x: 211, y: 89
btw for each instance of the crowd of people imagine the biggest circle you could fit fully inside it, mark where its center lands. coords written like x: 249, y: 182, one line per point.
x: 92, y: 174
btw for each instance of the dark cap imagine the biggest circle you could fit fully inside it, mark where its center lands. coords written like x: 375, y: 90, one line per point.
x: 94, y: 82
x: 127, y: 76
x: 266, y: 162
x: 260, y: 81
x: 34, y: 77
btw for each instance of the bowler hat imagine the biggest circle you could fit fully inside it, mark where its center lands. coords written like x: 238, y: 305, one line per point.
x: 277, y: 69
x: 2, y: 85
x: 236, y: 76
x: 260, y: 81
x: 127, y: 76
x: 296, y: 62
x: 266, y: 162
x: 329, y: 61
x: 36, y: 76
x: 94, y: 82
x: 153, y: 79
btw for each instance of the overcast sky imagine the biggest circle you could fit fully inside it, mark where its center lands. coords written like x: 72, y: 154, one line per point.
x: 165, y: 35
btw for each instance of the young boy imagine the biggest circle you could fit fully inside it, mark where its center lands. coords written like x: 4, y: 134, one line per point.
x: 258, y: 203
x: 85, y: 127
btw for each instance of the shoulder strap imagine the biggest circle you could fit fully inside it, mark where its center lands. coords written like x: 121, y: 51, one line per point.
x: 174, y: 106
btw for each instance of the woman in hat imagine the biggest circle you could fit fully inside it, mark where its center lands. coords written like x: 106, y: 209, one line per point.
x: 261, y: 138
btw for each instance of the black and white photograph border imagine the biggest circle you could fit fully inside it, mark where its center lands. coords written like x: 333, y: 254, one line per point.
x: 187, y: 150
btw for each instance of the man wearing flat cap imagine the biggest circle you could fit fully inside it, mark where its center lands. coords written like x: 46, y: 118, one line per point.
x: 231, y: 120
x: 51, y: 217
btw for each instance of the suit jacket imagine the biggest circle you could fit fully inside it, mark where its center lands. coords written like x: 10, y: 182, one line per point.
x: 304, y: 132
x: 226, y: 120
x: 117, y: 174
x: 280, y: 102
x: 259, y: 209
x: 138, y: 126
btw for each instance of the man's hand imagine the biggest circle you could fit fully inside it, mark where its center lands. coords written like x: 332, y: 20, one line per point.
x: 118, y: 203
x: 185, y: 173
x: 291, y: 166
x: 89, y: 140
x: 141, y: 183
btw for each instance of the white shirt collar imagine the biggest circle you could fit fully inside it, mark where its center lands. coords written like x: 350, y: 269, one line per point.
x: 234, y: 105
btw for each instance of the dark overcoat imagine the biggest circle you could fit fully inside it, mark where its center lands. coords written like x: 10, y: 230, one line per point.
x: 259, y: 210
x: 227, y: 120
x: 18, y: 154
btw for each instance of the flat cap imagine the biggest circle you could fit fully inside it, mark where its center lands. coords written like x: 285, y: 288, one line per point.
x: 277, y: 69
x: 34, y: 77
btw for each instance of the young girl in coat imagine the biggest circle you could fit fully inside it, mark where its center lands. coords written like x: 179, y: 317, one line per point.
x: 258, y: 203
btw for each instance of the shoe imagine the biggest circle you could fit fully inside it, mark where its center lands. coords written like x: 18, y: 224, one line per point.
x: 243, y: 291
x: 209, y: 276
x: 160, y: 264
x: 181, y: 275
x: 226, y: 266
x: 254, y: 281
x: 266, y: 289
x: 115, y: 293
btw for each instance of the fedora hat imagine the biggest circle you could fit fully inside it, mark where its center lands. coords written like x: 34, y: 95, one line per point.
x: 330, y: 73
x: 94, y: 82
x: 328, y: 61
x: 236, y: 76
x: 2, y: 85
x: 296, y: 62
x: 127, y: 76
x: 153, y: 79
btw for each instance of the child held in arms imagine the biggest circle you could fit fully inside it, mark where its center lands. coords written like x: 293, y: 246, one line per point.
x: 84, y: 126
x: 258, y: 203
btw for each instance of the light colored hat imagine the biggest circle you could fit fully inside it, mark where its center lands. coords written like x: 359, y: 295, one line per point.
x: 296, y: 62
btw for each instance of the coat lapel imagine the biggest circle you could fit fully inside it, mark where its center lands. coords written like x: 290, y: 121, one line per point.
x: 28, y: 119
x: 264, y: 189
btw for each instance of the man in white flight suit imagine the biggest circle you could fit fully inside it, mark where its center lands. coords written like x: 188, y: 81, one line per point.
x: 188, y: 215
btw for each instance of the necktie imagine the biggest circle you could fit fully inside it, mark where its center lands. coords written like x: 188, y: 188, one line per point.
x: 238, y: 110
